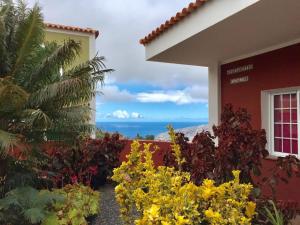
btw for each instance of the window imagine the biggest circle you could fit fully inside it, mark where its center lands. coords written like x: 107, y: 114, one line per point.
x: 281, y: 119
x: 284, y: 124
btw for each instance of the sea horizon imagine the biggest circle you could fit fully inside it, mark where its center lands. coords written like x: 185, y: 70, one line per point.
x: 130, y: 129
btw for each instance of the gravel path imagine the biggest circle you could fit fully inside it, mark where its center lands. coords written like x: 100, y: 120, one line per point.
x: 109, y: 212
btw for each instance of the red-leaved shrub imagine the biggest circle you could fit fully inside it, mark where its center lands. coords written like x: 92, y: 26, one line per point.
x: 240, y: 147
x: 199, y: 156
x: 88, y: 162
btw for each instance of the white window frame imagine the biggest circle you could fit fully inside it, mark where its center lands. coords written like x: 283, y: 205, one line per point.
x: 267, y: 115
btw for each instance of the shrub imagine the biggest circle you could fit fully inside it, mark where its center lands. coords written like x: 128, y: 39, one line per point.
x: 80, y: 202
x: 26, y: 205
x: 240, y: 148
x: 199, y: 156
x: 165, y: 196
x: 87, y: 162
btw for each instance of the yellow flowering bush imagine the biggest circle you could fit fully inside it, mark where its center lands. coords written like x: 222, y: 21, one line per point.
x: 164, y: 196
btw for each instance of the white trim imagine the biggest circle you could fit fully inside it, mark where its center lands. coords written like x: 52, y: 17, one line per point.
x: 76, y: 33
x: 262, y: 51
x: 267, y: 114
x: 214, y: 101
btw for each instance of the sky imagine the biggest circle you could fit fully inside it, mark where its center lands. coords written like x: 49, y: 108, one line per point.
x: 138, y: 90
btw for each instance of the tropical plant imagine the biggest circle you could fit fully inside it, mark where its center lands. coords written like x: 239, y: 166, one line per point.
x: 273, y: 215
x: 37, y: 101
x: 17, y: 173
x: 88, y: 161
x: 240, y: 147
x: 166, y: 196
x: 79, y: 203
x: 199, y: 156
x: 26, y: 206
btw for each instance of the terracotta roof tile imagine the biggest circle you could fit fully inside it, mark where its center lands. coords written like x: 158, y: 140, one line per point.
x: 71, y: 28
x: 172, y: 21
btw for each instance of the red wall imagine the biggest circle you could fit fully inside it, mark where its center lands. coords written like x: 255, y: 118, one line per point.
x: 157, y: 156
x: 276, y: 69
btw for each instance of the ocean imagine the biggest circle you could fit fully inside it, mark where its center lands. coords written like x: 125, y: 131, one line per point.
x: 131, y: 129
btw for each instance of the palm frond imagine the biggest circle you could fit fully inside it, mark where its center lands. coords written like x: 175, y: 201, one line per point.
x: 74, y: 113
x: 29, y: 35
x: 77, y: 85
x: 6, y: 24
x: 60, y: 57
x: 12, y: 97
x: 7, y: 141
x: 36, y: 119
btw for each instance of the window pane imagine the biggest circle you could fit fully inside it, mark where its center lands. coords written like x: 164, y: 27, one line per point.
x: 286, y: 114
x: 277, y: 130
x: 277, y: 101
x: 294, y: 115
x: 277, y: 116
x: 286, y: 145
x: 286, y: 123
x: 295, y: 146
x: 286, y: 130
x: 294, y: 131
x: 286, y: 101
x: 294, y: 101
x: 277, y: 145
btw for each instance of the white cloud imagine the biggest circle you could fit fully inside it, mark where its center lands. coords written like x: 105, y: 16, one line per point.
x: 123, y: 114
x: 112, y: 93
x: 118, y: 42
x: 194, y: 94
x: 136, y: 115
x: 119, y: 114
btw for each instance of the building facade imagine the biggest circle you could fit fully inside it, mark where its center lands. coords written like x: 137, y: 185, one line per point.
x: 252, y: 51
x: 86, y: 36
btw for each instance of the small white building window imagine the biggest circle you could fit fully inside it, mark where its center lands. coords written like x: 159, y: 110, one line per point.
x: 280, y: 118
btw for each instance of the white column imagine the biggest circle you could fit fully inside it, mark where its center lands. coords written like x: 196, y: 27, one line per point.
x: 214, y: 94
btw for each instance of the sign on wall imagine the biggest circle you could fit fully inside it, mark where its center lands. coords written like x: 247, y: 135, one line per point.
x: 240, y: 69
x: 239, y: 80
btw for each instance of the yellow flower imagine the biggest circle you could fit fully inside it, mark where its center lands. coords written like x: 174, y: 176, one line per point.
x: 208, y: 183
x: 207, y: 193
x: 250, y: 209
x: 165, y: 223
x: 236, y: 174
x: 211, y: 214
x: 154, y: 212
x: 180, y: 220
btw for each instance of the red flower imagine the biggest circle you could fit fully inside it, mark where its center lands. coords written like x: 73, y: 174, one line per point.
x: 74, y: 179
x: 93, y: 170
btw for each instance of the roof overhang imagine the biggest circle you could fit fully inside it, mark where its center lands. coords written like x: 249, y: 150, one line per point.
x: 221, y: 31
x: 60, y: 27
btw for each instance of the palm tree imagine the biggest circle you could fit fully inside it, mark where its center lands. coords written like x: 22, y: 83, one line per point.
x: 37, y: 102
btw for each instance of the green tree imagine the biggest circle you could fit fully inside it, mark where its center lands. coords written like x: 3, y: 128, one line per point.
x: 37, y: 102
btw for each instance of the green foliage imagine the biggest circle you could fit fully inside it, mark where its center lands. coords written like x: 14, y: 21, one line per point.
x: 146, y: 137
x: 99, y: 134
x: 26, y: 205
x: 80, y: 202
x: 37, y: 103
x: 273, y: 215
x: 15, y: 174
